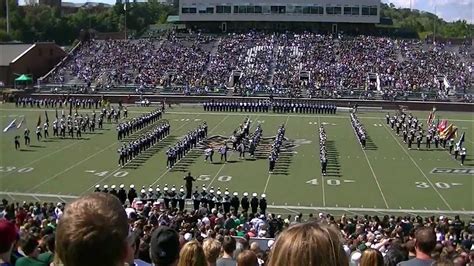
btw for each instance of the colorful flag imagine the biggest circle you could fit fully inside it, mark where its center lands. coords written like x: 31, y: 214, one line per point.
x: 432, y: 116
x: 448, y: 132
x: 10, y: 126
x: 442, y: 126
x: 46, y: 114
x: 39, y: 121
x: 23, y: 120
x: 453, y: 133
x: 461, y: 140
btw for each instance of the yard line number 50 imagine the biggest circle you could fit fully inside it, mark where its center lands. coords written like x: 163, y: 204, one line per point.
x: 222, y: 178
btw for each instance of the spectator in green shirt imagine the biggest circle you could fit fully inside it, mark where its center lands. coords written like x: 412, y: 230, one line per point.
x: 31, y: 250
x: 48, y: 256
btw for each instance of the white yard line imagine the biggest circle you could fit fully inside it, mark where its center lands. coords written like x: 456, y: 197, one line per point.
x: 37, y: 195
x: 118, y: 168
x: 224, y: 164
x: 282, y: 207
x: 269, y: 174
x: 218, y: 124
x: 322, y: 176
x: 169, y: 169
x: 71, y: 167
x: 47, y: 155
x: 266, y: 184
x: 218, y: 172
x: 61, y: 199
x: 36, y: 198
x: 10, y: 196
x: 375, y: 178
x: 233, y: 114
x: 417, y: 166
x: 290, y: 115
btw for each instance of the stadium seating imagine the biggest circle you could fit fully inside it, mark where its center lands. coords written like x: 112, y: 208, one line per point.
x: 286, y: 64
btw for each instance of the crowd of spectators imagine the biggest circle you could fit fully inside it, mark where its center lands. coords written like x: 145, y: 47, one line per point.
x: 276, y: 63
x: 76, y: 234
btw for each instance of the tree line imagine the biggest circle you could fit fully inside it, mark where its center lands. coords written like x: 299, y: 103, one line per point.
x: 34, y: 22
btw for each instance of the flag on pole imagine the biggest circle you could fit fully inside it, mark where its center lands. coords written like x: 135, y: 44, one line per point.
x: 432, y: 116
x: 21, y: 122
x: 39, y: 121
x: 448, y: 132
x: 46, y: 115
x: 442, y: 126
x: 453, y: 133
x: 10, y: 126
x: 461, y: 140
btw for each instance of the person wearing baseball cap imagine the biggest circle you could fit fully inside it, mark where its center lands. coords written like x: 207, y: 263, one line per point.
x: 164, y: 247
x: 8, y: 237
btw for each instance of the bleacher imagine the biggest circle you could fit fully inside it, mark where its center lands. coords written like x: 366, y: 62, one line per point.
x: 260, y: 64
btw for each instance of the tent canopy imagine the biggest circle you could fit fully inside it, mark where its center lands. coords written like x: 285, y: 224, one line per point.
x: 23, y: 78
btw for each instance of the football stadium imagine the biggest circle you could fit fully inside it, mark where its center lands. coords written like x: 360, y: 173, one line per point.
x: 231, y: 131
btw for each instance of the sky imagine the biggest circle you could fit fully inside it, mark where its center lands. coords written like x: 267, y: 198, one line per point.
x: 449, y: 10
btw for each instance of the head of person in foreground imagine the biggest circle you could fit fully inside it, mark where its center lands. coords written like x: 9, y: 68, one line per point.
x: 308, y: 244
x: 93, y: 231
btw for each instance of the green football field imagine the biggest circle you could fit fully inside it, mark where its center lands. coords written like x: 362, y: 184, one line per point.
x: 385, y: 178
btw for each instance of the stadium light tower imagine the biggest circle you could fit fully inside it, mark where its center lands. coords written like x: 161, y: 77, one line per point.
x: 434, y: 24
x: 125, y: 9
x: 7, y: 17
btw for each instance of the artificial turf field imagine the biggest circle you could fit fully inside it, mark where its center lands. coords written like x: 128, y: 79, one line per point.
x: 385, y: 178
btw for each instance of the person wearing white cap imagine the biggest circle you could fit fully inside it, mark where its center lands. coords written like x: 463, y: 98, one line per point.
x: 181, y: 199
x: 235, y: 202
x: 106, y: 189
x: 122, y: 194
x: 97, y: 188
x: 189, y: 184
x: 218, y: 199
x: 204, y: 196
x: 142, y: 194
x: 463, y: 155
x: 244, y: 202
x: 196, y: 198
x: 132, y: 193
x: 263, y: 204
x: 113, y: 191
x: 226, y: 201
x: 210, y: 199
x: 151, y: 194
x: 158, y: 192
x: 254, y: 203
x: 173, y: 198
x: 166, y: 196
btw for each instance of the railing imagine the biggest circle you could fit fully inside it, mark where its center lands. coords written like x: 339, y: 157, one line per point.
x: 60, y: 63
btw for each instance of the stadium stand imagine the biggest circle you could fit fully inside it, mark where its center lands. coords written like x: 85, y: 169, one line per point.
x: 282, y: 64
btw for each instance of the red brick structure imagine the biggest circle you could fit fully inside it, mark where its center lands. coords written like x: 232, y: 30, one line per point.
x: 34, y: 60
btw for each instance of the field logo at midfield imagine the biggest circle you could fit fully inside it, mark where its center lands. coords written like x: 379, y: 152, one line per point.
x: 458, y: 171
